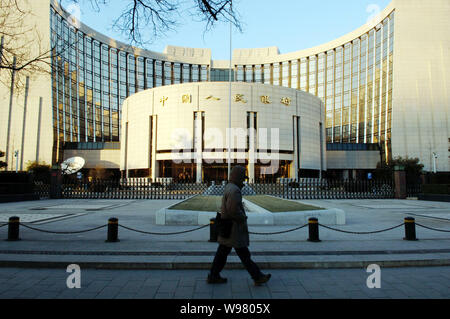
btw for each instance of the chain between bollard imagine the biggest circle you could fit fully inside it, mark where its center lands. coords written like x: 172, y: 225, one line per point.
x: 435, y: 229
x: 279, y: 232
x: 162, y: 234
x: 62, y: 233
x: 3, y: 225
x: 361, y: 233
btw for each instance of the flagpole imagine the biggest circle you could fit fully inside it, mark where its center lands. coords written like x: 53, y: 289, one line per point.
x: 229, y: 101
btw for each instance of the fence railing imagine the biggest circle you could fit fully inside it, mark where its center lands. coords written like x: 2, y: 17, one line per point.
x: 41, y: 189
x: 145, y: 189
x: 412, y: 190
x: 327, y: 189
x: 130, y: 189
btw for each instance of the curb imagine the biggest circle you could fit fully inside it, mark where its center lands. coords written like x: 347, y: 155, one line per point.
x: 230, y: 265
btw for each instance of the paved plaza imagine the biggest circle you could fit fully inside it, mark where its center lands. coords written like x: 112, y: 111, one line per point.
x: 175, y: 266
x: 397, y: 283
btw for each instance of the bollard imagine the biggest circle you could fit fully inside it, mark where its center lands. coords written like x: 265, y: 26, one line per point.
x: 212, y: 230
x: 410, y: 229
x: 113, y: 230
x: 13, y: 228
x: 313, y: 225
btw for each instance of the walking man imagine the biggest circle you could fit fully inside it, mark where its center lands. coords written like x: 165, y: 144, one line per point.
x: 236, y: 234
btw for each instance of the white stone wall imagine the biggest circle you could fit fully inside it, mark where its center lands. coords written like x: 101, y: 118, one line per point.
x: 421, y: 88
x: 35, y: 147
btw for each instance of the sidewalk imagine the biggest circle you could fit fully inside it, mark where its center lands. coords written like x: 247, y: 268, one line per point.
x: 193, y: 251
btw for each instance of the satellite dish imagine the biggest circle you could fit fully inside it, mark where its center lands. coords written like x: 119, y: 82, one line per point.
x: 72, y: 165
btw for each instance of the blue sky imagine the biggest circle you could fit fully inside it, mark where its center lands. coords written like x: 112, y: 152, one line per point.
x: 291, y: 25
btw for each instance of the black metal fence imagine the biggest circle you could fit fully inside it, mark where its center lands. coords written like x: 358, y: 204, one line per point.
x: 130, y: 189
x: 42, y: 190
x: 310, y: 188
x: 143, y: 188
x: 413, y: 190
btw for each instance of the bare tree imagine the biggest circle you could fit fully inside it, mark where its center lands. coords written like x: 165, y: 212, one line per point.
x: 143, y: 21
x: 22, y: 50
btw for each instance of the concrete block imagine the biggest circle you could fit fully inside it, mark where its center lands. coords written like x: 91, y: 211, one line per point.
x: 288, y: 218
x: 181, y: 217
x: 161, y: 217
x: 261, y: 218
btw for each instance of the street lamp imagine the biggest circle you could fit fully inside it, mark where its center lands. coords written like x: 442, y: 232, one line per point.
x: 229, y: 101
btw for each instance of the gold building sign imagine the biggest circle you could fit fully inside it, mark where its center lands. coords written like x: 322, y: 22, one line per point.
x: 163, y: 100
x: 212, y: 98
x: 265, y: 99
x: 186, y: 98
x: 286, y: 101
x: 239, y: 98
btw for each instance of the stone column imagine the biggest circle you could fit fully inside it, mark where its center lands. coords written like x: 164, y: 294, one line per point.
x: 55, y: 182
x: 296, y: 148
x: 154, y: 162
x: 198, y: 144
x: 251, y: 149
x: 400, y: 182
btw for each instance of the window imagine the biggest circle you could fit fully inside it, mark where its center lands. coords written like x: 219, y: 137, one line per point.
x: 167, y: 73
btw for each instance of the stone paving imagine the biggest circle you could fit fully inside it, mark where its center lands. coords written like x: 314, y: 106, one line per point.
x: 187, y: 251
x: 396, y: 283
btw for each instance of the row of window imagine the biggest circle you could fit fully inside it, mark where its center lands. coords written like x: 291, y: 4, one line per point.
x: 354, y: 81
x: 352, y: 147
x: 88, y: 74
x: 91, y: 80
x: 91, y: 146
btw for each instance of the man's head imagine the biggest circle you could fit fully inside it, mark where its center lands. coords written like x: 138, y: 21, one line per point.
x: 237, y: 176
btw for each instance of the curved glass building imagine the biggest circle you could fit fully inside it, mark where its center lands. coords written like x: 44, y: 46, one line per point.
x: 384, y: 84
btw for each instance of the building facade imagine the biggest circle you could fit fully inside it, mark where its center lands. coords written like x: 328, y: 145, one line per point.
x: 384, y: 84
x: 182, y: 132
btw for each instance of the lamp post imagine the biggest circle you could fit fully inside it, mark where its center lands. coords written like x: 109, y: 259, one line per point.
x: 229, y: 102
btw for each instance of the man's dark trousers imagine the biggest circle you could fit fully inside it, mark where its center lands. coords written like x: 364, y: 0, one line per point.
x: 244, y: 254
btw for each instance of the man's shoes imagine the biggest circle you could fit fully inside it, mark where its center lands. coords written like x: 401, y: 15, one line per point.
x: 262, y: 279
x: 216, y: 280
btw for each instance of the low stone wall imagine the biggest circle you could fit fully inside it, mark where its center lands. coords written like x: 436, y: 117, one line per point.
x: 257, y: 216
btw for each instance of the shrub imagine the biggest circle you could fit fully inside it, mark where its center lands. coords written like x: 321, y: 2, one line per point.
x: 41, y: 171
x: 412, y: 168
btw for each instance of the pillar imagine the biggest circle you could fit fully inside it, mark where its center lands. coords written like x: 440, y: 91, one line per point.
x: 251, y: 149
x: 400, y: 182
x: 198, y: 144
x: 154, y: 162
x: 296, y: 164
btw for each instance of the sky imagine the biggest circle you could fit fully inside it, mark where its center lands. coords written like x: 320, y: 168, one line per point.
x: 291, y: 25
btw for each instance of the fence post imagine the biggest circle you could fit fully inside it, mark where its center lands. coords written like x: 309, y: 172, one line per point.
x: 400, y: 182
x: 410, y: 229
x: 113, y: 230
x: 55, y: 183
x: 13, y: 228
x: 313, y: 225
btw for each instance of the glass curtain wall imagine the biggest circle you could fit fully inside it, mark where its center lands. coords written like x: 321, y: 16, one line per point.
x: 91, y: 79
x: 353, y: 80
